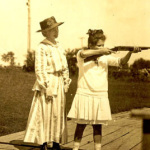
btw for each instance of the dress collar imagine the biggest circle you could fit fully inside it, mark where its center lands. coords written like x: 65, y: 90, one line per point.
x: 45, y: 41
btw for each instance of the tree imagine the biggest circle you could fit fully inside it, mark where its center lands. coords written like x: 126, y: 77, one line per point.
x: 141, y: 64
x: 139, y: 69
x: 9, y: 57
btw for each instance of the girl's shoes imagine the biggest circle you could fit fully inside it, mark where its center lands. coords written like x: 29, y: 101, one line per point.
x: 97, y: 146
x: 76, y: 145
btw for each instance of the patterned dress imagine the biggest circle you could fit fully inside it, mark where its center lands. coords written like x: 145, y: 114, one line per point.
x: 47, y: 119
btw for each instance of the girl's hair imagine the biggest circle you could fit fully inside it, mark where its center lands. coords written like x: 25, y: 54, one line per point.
x: 94, y: 36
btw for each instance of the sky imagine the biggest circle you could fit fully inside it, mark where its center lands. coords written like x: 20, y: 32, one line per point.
x: 124, y: 22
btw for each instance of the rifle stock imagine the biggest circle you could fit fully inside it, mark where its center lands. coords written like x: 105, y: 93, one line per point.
x: 128, y: 48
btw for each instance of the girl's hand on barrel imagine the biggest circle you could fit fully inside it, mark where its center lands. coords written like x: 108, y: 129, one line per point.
x: 136, y: 49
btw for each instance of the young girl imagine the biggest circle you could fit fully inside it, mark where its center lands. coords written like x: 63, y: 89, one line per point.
x: 91, y: 103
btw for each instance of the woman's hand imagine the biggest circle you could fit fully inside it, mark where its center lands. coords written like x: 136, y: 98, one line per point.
x: 43, y: 86
x: 66, y: 84
x: 49, y: 98
x: 66, y: 88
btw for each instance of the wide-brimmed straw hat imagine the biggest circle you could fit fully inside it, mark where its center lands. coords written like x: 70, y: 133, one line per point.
x: 49, y: 23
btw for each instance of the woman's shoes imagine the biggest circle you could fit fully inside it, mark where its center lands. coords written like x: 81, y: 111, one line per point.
x: 56, y: 146
x: 44, y: 146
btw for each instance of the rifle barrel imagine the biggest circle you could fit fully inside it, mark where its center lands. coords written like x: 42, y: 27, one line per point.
x: 128, y: 48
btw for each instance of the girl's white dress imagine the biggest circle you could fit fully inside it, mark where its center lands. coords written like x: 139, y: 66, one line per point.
x: 91, y: 103
x: 47, y: 119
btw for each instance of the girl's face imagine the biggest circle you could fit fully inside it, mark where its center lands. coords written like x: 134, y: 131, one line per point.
x: 53, y: 33
x: 100, y: 43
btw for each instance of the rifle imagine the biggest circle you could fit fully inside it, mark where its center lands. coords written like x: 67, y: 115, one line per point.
x: 127, y: 48
x: 115, y: 49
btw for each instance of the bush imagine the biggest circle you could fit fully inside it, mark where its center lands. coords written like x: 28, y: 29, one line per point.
x: 30, y: 62
x: 70, y: 56
x: 140, y: 64
x: 141, y: 74
x: 72, y: 61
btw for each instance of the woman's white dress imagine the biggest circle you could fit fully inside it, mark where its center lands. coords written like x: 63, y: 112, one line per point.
x: 47, y: 119
x: 91, y: 103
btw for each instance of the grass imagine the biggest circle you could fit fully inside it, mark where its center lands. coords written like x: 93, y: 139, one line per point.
x: 125, y: 95
x: 16, y: 97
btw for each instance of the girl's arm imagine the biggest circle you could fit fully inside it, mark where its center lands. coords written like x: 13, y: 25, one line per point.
x: 92, y: 52
x: 126, y: 58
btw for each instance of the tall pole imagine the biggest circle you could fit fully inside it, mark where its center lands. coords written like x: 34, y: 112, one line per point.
x: 29, y: 27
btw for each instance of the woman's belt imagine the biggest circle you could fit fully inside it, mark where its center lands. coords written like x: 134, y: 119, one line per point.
x: 53, y: 84
x: 57, y: 73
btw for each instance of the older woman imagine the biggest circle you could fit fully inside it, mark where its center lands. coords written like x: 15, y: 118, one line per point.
x: 47, y: 118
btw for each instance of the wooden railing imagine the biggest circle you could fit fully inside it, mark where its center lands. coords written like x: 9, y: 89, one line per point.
x: 145, y: 116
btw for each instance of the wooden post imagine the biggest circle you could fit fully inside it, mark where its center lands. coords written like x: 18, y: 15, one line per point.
x: 29, y: 27
x: 145, y: 116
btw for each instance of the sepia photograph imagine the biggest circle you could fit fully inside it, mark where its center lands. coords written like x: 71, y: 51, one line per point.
x: 75, y: 75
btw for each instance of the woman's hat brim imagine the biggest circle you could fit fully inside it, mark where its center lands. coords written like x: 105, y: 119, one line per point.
x: 55, y: 25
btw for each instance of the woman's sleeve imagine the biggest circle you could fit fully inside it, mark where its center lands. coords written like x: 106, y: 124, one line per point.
x: 40, y: 66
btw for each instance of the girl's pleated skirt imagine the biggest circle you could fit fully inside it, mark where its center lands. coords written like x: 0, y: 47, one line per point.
x: 90, y: 109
